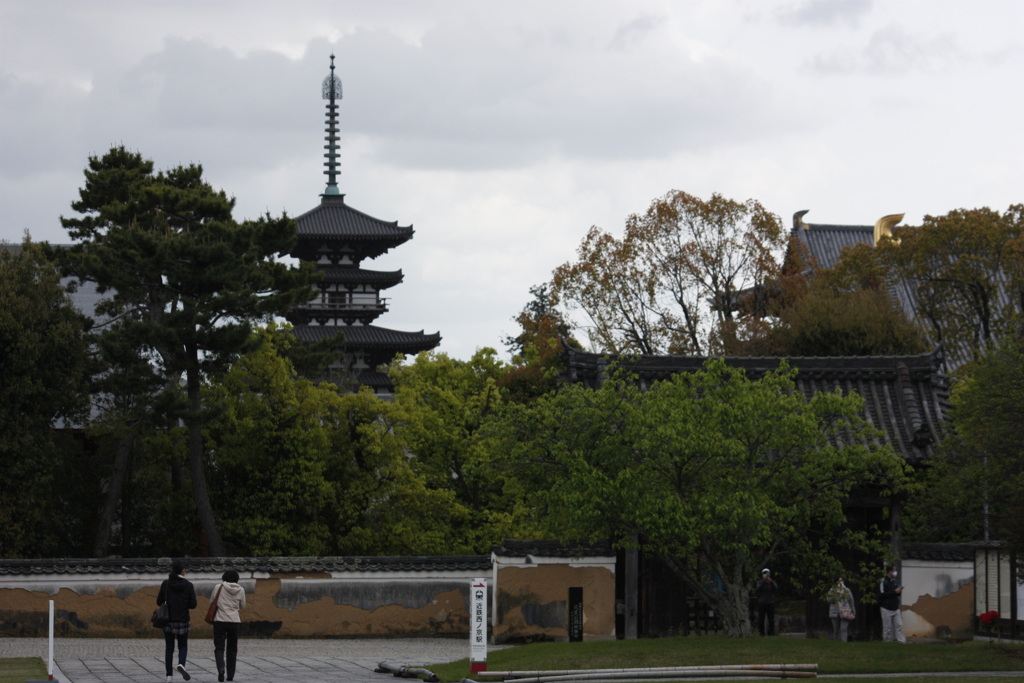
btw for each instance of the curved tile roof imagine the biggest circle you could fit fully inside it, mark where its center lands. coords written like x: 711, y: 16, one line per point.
x: 826, y: 242
x: 906, y: 397
x: 545, y: 548
x: 357, y: 276
x: 259, y: 564
x: 938, y: 552
x: 370, y: 336
x: 377, y: 380
x: 336, y: 219
x: 85, y: 296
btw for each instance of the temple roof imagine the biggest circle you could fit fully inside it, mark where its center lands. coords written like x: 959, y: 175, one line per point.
x: 370, y: 336
x: 826, y: 242
x: 358, y: 276
x: 907, y: 397
x: 336, y: 230
x: 334, y: 219
x: 375, y: 380
x: 85, y: 296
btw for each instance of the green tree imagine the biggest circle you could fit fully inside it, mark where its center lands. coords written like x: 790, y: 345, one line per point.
x: 536, y: 350
x: 43, y: 379
x: 184, y: 280
x: 271, y: 443
x: 300, y: 469
x: 385, y: 506
x: 965, y: 268
x: 131, y: 399
x: 688, y: 276
x: 714, y: 472
x: 441, y: 405
x: 848, y: 310
x: 977, y: 478
x: 157, y: 514
x: 827, y: 321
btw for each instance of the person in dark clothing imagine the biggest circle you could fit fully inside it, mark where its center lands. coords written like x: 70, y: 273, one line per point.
x: 230, y: 598
x: 180, y: 597
x: 889, y: 592
x: 765, y: 590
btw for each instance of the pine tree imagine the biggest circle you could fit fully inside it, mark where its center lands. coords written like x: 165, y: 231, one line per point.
x: 184, y: 281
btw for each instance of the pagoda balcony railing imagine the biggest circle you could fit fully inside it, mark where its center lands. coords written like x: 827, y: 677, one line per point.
x: 379, y: 305
x: 350, y: 313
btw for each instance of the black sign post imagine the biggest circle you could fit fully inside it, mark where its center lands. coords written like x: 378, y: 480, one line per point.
x: 575, y: 614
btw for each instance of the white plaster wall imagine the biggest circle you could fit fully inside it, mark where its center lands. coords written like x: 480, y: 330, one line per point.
x: 937, y: 580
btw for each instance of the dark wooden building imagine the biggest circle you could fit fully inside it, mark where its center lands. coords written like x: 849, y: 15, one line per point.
x: 338, y: 239
x: 905, y: 397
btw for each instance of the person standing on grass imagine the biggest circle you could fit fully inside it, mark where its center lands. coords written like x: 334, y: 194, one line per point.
x: 180, y: 596
x: 840, y: 599
x: 889, y: 592
x: 226, y: 623
x: 765, y: 590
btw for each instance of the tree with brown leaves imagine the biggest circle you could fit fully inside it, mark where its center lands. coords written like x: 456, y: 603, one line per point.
x: 689, y: 276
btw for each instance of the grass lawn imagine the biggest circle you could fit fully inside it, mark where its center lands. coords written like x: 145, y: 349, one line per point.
x: 20, y: 669
x: 929, y: 679
x: 831, y: 657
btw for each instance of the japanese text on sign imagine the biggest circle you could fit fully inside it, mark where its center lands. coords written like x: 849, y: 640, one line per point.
x: 478, y: 625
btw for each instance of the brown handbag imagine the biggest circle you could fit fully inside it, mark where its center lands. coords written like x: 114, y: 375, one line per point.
x: 211, y: 613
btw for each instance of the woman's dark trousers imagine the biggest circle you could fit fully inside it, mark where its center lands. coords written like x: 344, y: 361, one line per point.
x: 225, y: 631
x: 169, y: 652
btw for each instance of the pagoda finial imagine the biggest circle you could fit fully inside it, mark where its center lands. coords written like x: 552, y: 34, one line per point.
x: 331, y: 91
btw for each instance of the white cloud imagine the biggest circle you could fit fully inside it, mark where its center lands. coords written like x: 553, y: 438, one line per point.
x: 894, y: 51
x: 503, y: 131
x: 824, y: 12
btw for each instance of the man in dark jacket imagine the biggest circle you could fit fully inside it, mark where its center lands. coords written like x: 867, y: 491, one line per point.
x: 889, y: 592
x: 765, y: 590
x: 180, y: 596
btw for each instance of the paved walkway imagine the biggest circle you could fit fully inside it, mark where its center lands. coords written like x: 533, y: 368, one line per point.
x: 93, y: 660
x: 82, y: 660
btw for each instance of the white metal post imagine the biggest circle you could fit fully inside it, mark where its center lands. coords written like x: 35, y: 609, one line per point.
x: 49, y: 670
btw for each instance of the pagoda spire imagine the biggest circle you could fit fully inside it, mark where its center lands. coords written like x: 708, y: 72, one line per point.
x: 331, y: 90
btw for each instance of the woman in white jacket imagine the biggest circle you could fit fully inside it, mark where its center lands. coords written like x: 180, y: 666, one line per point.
x: 226, y: 623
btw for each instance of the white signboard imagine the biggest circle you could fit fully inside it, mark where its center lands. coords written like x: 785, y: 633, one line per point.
x: 478, y: 625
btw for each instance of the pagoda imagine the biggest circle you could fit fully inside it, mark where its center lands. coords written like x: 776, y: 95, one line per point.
x: 337, y: 239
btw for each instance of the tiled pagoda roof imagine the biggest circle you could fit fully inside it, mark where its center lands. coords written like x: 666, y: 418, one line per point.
x: 358, y: 276
x: 334, y: 219
x: 375, y: 380
x: 906, y: 397
x: 369, y: 336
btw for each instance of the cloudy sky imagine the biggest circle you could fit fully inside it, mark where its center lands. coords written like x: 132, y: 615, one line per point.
x: 503, y: 130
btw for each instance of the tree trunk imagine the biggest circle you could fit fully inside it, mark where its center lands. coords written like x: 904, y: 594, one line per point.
x: 734, y: 609
x: 195, y: 457
x: 732, y: 605
x: 632, y: 570
x: 102, y: 541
